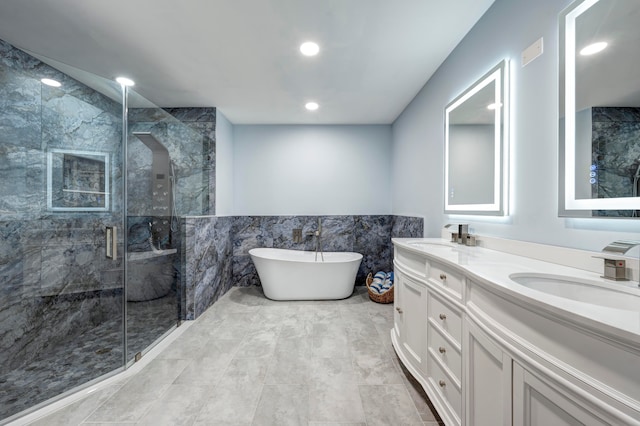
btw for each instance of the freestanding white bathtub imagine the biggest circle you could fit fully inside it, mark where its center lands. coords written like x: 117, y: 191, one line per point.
x: 295, y: 275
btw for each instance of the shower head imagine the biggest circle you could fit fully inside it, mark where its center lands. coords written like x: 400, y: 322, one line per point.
x: 150, y: 141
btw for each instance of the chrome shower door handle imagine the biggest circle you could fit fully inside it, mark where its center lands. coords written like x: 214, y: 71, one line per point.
x: 111, y: 242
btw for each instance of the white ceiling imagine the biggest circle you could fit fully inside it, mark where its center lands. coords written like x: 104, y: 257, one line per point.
x: 242, y: 55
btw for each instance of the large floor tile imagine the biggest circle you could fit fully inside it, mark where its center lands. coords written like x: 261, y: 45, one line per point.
x: 178, y: 406
x: 330, y: 346
x: 258, y: 344
x: 131, y: 401
x: 339, y: 402
x: 288, y: 369
x: 245, y: 371
x: 330, y: 371
x: 388, y: 405
x: 75, y: 413
x: 376, y: 370
x: 282, y: 405
x: 230, y: 405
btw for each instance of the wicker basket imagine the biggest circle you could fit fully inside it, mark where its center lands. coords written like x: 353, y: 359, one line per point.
x: 386, y: 297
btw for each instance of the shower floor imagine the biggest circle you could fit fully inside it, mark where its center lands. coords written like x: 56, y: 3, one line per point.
x: 78, y: 360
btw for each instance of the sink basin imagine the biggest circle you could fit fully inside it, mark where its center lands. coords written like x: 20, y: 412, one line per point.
x: 428, y: 244
x: 592, y: 292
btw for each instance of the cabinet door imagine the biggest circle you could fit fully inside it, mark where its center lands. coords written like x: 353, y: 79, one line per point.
x: 397, y: 305
x: 537, y: 403
x: 487, y: 379
x: 413, y: 309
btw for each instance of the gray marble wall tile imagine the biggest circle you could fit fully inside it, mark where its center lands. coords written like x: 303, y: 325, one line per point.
x: 373, y: 241
x: 189, y: 136
x: 407, y: 227
x: 207, y: 270
x: 206, y: 115
x: 20, y: 108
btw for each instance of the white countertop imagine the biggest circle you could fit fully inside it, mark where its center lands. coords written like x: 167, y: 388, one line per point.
x: 493, y: 269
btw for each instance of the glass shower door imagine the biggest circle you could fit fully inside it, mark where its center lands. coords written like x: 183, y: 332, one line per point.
x: 153, y: 230
x: 61, y: 297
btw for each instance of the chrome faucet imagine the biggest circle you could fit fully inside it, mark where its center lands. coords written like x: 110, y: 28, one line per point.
x: 614, y: 269
x: 461, y: 236
x: 318, y: 234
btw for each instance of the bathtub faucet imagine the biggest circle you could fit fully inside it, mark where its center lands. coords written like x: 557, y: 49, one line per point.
x: 318, y: 234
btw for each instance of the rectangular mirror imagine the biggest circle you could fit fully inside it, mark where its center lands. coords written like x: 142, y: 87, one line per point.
x: 475, y: 163
x: 600, y: 109
x: 77, y: 180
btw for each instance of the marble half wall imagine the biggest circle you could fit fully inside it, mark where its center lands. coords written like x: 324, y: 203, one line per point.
x: 216, y: 249
x: 207, y: 273
x: 369, y: 235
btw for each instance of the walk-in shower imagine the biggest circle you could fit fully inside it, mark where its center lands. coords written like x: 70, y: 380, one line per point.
x: 76, y: 160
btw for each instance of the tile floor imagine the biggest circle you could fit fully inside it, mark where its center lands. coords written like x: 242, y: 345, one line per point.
x: 252, y: 361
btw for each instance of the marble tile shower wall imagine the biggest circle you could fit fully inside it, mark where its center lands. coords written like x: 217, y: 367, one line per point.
x: 56, y: 282
x: 616, y: 153
x: 217, y: 248
x: 189, y: 136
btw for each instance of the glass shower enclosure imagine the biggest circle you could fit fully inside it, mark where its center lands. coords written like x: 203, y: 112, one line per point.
x: 89, y: 232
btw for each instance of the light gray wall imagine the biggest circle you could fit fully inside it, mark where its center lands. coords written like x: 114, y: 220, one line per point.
x: 224, y: 166
x: 311, y: 170
x: 507, y: 28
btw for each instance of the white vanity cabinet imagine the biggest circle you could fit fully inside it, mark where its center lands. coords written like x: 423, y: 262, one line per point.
x: 486, y: 355
x: 487, y: 379
x: 538, y: 401
x: 410, y: 306
x: 444, y: 357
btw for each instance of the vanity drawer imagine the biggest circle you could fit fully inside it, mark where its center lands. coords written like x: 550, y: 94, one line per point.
x: 446, y: 387
x: 446, y: 278
x: 445, y: 351
x: 444, y: 316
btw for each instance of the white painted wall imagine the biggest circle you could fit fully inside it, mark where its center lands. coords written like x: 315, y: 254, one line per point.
x: 507, y: 28
x: 311, y: 170
x: 224, y: 165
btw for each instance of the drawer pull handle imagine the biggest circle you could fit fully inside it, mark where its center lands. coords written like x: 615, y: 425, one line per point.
x: 442, y: 383
x: 443, y: 276
x: 442, y: 349
x: 399, y: 310
x: 443, y: 317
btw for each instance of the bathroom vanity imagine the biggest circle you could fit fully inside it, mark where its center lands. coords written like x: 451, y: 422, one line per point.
x: 500, y: 339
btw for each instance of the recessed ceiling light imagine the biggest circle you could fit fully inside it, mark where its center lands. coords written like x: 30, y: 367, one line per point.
x: 125, y: 81
x: 309, y: 48
x: 311, y: 106
x: 593, y: 48
x: 50, y: 82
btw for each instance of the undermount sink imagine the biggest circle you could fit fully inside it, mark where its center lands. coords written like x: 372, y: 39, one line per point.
x: 428, y: 244
x: 584, y: 291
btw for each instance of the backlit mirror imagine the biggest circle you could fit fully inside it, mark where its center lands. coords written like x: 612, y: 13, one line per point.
x: 476, y: 147
x: 600, y: 109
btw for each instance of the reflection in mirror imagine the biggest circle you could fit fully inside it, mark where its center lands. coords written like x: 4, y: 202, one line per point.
x: 600, y: 109
x: 475, y: 147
